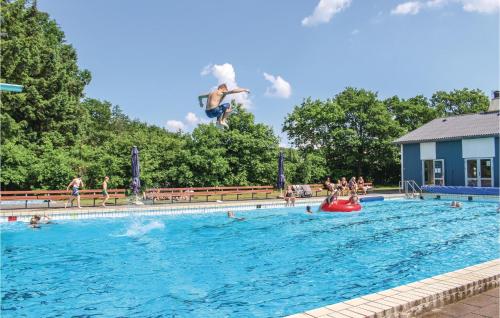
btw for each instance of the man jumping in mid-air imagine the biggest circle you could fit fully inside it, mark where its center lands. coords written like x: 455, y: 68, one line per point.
x: 214, y: 107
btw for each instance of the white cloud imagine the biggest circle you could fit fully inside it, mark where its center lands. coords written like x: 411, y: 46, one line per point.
x: 436, y: 3
x: 355, y: 32
x: 224, y: 73
x: 324, y: 11
x: 411, y: 7
x: 175, y: 125
x: 192, y: 119
x: 279, y: 87
x: 481, y: 6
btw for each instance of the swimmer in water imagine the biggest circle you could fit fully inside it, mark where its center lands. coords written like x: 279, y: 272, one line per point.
x: 456, y: 204
x: 230, y: 214
x: 45, y: 219
x: 35, y: 219
x: 308, y: 210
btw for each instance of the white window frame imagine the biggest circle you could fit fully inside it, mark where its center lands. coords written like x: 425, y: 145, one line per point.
x: 433, y: 171
x: 479, y: 177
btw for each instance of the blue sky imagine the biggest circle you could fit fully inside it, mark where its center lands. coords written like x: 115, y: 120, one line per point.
x: 154, y: 57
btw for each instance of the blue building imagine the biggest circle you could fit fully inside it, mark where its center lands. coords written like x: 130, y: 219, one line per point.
x: 454, y: 151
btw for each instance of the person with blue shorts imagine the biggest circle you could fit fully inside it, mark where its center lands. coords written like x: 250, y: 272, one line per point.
x: 75, y: 186
x: 214, y: 108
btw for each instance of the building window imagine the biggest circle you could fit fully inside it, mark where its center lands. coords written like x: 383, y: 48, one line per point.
x: 478, y: 172
x: 433, y: 172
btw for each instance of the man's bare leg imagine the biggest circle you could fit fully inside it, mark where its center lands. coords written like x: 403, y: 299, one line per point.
x: 224, y: 116
x: 78, y: 201
x: 105, y: 200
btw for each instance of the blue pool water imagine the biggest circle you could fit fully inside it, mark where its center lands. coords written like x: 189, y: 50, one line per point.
x: 276, y: 262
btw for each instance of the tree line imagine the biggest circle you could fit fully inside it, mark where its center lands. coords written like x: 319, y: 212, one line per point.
x: 51, y: 131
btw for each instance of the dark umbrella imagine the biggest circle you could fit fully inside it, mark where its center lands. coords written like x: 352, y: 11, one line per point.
x: 136, y: 182
x: 280, y: 184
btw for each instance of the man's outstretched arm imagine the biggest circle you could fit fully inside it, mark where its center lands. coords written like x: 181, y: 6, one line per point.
x: 238, y: 90
x: 200, y: 99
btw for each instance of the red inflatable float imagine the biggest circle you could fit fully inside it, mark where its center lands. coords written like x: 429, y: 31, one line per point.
x: 340, y: 206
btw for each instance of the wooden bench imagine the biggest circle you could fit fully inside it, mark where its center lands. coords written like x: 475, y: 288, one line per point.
x: 189, y: 193
x: 58, y: 195
x: 317, y: 188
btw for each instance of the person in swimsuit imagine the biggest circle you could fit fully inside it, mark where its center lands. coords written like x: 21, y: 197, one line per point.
x: 329, y: 186
x: 361, y: 185
x: 105, y: 193
x: 34, y: 222
x: 214, y: 107
x: 342, y: 186
x: 308, y: 210
x: 353, y: 185
x: 45, y: 219
x: 332, y: 197
x: 289, y: 197
x: 230, y: 214
x: 353, y: 199
x: 75, y: 186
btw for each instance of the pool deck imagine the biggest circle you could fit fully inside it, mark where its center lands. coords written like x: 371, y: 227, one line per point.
x: 160, y: 209
x: 448, y: 295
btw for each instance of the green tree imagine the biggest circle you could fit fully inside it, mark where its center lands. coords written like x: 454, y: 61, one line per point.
x: 459, y: 101
x: 353, y: 131
x: 246, y: 154
x: 34, y: 54
x: 411, y: 113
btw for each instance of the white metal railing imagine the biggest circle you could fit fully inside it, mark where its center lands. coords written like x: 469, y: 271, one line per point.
x: 410, y: 188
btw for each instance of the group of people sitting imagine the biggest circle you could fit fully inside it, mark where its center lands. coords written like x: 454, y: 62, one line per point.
x: 345, y: 187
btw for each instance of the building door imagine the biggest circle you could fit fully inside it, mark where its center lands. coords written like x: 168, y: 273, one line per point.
x: 433, y: 172
x: 439, y: 172
x: 478, y: 172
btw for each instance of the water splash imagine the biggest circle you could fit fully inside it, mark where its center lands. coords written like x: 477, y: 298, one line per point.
x: 138, y: 228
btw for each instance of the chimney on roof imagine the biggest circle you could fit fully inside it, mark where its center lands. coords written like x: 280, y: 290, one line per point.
x: 495, y: 102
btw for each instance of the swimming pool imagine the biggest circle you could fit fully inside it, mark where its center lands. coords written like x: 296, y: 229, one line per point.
x: 276, y: 262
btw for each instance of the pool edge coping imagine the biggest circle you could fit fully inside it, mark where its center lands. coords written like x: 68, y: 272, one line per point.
x: 415, y: 298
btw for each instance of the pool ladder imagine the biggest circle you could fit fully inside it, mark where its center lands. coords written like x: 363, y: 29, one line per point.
x: 410, y: 188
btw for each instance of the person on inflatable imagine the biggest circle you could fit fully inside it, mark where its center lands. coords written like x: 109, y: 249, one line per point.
x: 332, y: 197
x: 214, y: 107
x: 353, y: 199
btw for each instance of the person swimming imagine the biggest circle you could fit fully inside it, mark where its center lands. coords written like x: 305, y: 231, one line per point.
x: 46, y: 219
x: 456, y: 204
x: 230, y: 214
x: 308, y: 209
x: 35, y: 219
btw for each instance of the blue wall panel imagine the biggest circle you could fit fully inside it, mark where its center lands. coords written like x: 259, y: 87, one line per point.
x: 496, y: 165
x: 412, y: 166
x: 454, y: 169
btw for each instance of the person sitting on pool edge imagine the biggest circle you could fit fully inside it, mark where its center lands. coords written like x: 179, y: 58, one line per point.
x: 230, y: 214
x: 214, y: 108
x: 289, y: 197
